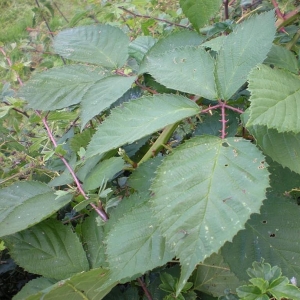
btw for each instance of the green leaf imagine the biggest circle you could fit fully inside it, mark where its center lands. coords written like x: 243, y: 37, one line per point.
x: 34, y: 286
x: 287, y: 149
x: 93, y: 236
x: 204, y: 193
x: 141, y: 179
x: 282, y: 58
x: 26, y: 203
x: 137, y: 119
x: 242, y: 50
x: 199, y: 12
x: 105, y: 170
x: 172, y: 41
x: 94, y: 284
x: 274, y: 99
x: 187, y: 69
x: 102, y: 94
x: 96, y: 44
x: 213, y: 276
x: 285, y: 291
x: 250, y: 292
x: 269, y: 235
x: 60, y: 87
x: 140, y: 46
x: 53, y: 245
x: 143, y: 247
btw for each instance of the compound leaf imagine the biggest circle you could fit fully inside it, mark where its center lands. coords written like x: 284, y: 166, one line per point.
x: 102, y: 94
x: 242, y: 50
x: 199, y: 12
x: 60, y: 87
x: 96, y: 44
x: 54, y: 246
x: 204, y: 193
x: 26, y: 203
x: 143, y: 247
x: 274, y: 99
x: 188, y: 69
x: 137, y: 119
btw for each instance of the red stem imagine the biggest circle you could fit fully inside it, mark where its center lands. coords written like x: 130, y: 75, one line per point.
x: 147, y: 293
x: 223, y: 120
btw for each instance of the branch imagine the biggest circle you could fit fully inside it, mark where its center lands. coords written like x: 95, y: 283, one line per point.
x: 154, y: 18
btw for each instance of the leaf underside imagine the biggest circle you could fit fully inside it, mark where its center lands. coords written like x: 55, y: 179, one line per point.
x: 204, y: 193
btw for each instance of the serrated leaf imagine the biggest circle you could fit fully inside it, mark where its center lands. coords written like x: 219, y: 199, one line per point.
x: 60, y: 87
x: 187, y: 69
x: 96, y: 44
x: 214, y: 276
x: 287, y: 149
x: 81, y: 139
x: 141, y: 179
x: 140, y: 46
x: 135, y: 244
x: 93, y: 236
x: 55, y: 246
x: 285, y: 291
x: 34, y: 286
x: 242, y: 50
x: 204, y: 193
x: 199, y: 12
x: 24, y: 204
x: 139, y: 118
x: 268, y: 235
x: 102, y: 94
x: 94, y: 284
x: 172, y: 41
x: 274, y: 99
x: 282, y: 58
x: 105, y: 170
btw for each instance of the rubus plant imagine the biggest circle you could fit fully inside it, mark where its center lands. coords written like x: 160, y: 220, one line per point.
x: 182, y: 150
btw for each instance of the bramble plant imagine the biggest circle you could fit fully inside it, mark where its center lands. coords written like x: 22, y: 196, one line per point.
x: 176, y: 150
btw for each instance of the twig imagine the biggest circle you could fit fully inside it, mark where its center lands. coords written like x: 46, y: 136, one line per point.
x: 38, y: 5
x: 145, y: 88
x: 146, y: 291
x: 226, y: 14
x: 154, y: 18
x: 60, y: 12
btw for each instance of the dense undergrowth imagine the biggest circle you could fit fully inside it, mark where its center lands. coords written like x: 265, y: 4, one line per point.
x: 150, y: 149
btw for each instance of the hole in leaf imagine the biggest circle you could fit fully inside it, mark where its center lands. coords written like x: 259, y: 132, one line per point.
x: 264, y: 222
x: 225, y: 144
x: 226, y: 165
x: 272, y: 235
